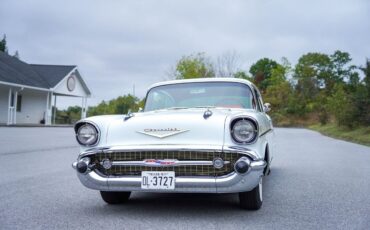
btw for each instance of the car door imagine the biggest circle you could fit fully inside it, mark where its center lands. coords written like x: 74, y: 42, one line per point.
x: 266, y: 122
x: 266, y: 126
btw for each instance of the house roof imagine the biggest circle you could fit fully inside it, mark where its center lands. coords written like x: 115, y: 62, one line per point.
x: 13, y: 70
x: 53, y: 74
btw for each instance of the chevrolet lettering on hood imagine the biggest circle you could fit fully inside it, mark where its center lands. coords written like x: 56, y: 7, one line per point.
x: 207, y: 135
x: 162, y: 133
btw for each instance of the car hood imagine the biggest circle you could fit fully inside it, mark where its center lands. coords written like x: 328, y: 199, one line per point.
x: 169, y: 127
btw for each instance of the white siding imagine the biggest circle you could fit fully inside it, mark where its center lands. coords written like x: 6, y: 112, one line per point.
x: 33, y: 107
x: 78, y: 91
x: 4, y: 99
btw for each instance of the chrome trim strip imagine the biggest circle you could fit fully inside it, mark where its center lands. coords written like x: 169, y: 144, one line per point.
x: 258, y: 165
x: 242, y: 150
x: 267, y: 131
x: 201, y: 148
x: 175, y: 163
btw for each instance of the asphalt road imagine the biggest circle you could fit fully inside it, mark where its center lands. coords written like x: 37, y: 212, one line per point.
x: 316, y: 183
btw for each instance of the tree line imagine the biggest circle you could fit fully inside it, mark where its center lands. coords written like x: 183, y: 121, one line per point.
x: 120, y: 105
x: 4, y: 48
x: 318, y: 88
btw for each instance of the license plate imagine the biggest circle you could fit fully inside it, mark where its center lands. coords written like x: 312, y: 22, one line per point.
x: 158, y: 180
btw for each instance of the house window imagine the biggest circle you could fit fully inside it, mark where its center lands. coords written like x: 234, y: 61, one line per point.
x: 19, y: 103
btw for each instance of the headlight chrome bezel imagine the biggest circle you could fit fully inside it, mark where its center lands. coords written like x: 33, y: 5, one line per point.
x: 254, y: 124
x: 80, y: 125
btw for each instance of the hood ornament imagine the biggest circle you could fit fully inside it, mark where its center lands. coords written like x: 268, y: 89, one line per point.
x: 162, y: 133
x: 207, y: 114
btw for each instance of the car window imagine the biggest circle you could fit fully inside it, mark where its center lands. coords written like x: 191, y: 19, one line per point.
x: 199, y: 94
x: 259, y: 101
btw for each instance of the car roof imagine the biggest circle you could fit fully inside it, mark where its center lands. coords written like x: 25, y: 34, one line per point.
x: 220, y: 79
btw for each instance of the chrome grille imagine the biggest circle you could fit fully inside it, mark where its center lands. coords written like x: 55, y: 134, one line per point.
x: 183, y: 170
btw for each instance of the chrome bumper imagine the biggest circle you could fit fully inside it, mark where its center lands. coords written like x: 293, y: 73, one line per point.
x: 231, y: 183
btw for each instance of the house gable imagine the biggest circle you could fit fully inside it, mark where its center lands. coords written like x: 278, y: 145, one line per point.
x: 72, y: 85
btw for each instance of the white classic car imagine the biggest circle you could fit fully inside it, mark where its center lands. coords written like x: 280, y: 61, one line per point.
x: 208, y: 135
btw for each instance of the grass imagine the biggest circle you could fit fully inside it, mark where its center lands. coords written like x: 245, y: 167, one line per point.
x: 359, y: 135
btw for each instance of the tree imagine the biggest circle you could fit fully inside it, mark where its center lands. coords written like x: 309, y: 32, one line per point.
x: 279, y: 91
x: 261, y: 72
x: 362, y: 96
x: 68, y: 116
x: 340, y: 105
x: 243, y: 75
x: 100, y: 109
x: 120, y: 105
x: 341, y: 70
x: 360, y: 100
x: 279, y: 96
x: 366, y: 71
x: 3, y: 46
x: 279, y: 73
x: 194, y: 66
x: 350, y: 104
x: 228, y: 64
x: 16, y: 54
x: 312, y: 73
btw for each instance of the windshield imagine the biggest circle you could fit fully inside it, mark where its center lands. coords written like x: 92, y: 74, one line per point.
x: 199, y: 94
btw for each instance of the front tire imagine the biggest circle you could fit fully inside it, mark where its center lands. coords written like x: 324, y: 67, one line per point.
x: 252, y: 200
x: 115, y: 197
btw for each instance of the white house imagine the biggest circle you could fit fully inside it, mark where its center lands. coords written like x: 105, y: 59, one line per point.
x: 28, y: 92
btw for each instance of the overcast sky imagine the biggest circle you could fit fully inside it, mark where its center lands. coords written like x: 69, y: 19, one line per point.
x: 117, y: 44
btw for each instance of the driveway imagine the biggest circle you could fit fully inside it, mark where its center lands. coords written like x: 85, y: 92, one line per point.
x: 316, y: 183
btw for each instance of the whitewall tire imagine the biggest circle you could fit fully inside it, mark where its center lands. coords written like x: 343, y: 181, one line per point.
x: 253, y: 199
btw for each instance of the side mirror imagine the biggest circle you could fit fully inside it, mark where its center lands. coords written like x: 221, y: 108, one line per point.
x: 267, y: 107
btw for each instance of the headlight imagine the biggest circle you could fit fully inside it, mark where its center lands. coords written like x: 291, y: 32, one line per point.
x: 87, y: 134
x: 244, y: 130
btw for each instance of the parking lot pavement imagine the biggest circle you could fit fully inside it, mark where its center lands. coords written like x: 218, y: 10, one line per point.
x: 316, y: 183
x: 29, y: 139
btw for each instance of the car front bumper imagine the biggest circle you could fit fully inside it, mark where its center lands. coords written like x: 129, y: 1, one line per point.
x: 231, y: 183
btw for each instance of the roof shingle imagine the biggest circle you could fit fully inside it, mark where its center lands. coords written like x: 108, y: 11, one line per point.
x: 53, y: 74
x: 13, y: 70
